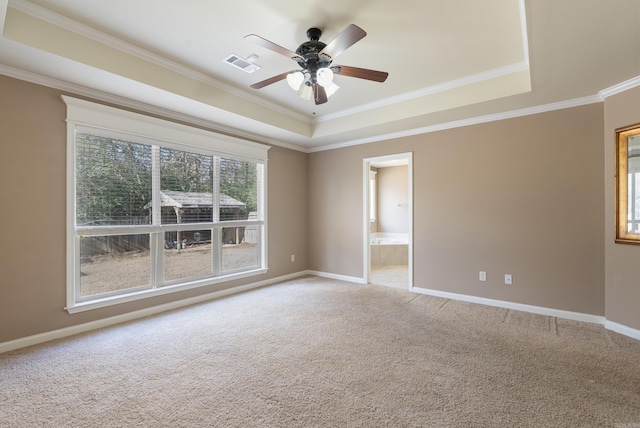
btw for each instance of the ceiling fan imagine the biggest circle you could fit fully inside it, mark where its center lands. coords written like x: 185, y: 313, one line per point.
x: 315, y: 78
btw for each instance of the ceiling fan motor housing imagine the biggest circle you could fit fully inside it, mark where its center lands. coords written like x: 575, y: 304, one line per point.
x: 309, y: 52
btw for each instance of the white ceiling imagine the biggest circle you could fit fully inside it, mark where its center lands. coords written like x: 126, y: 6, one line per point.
x: 448, y: 60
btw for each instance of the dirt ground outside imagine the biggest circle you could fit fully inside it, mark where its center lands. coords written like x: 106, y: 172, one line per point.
x: 107, y: 273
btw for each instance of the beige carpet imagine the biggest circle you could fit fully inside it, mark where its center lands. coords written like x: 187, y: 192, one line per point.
x: 321, y: 353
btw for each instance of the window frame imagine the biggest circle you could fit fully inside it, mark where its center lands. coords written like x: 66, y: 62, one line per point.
x: 624, y: 174
x: 117, y: 123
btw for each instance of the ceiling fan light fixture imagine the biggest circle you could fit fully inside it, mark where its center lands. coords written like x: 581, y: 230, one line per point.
x: 324, y: 76
x: 306, y: 92
x: 295, y: 80
x: 331, y: 89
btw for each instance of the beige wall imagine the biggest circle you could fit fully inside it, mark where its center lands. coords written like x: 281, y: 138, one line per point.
x: 393, y: 199
x: 32, y: 216
x: 522, y: 196
x: 622, y: 262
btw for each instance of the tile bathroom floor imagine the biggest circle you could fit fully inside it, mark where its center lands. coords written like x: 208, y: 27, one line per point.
x: 396, y: 276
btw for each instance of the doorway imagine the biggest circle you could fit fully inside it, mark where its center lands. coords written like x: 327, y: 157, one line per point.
x: 388, y: 220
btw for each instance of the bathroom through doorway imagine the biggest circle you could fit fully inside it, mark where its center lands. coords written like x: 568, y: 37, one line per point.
x: 388, y: 220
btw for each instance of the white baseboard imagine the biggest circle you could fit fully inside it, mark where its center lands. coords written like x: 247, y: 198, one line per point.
x: 336, y: 276
x: 558, y: 313
x: 622, y: 329
x: 118, y: 319
x: 94, y: 325
x: 540, y: 310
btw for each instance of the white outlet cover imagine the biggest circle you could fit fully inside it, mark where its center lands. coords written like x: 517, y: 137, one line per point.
x: 508, y: 279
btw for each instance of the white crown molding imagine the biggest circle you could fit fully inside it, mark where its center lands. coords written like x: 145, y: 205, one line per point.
x: 86, y: 31
x: 217, y: 127
x: 620, y: 87
x: 72, y: 88
x: 465, y: 122
x: 429, y: 90
x: 128, y: 48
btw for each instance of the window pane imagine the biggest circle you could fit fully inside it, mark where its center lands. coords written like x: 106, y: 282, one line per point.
x: 114, y: 263
x: 187, y: 254
x: 113, y: 181
x: 239, y: 248
x: 636, y: 203
x: 238, y: 189
x: 186, y: 183
x: 633, y: 184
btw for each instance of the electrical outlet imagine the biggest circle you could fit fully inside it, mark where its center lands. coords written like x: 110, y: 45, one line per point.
x: 483, y: 276
x: 508, y: 279
x: 293, y: 257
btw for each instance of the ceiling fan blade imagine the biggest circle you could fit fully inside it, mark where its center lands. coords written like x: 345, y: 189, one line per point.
x: 344, y: 40
x: 270, y: 80
x: 319, y: 94
x: 360, y: 73
x: 261, y: 41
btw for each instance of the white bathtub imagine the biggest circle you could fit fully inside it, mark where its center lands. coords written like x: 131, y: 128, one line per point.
x: 385, y: 238
x: 389, y: 249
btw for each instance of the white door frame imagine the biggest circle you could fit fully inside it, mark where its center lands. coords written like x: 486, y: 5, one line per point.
x: 400, y: 159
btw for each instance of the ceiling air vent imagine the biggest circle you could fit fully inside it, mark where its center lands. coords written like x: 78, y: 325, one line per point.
x: 247, y: 65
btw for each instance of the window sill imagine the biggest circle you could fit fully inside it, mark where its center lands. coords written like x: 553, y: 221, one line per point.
x: 145, y: 294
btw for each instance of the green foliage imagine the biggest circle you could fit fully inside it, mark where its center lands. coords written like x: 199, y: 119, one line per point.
x: 113, y: 178
x: 185, y: 171
x: 238, y: 179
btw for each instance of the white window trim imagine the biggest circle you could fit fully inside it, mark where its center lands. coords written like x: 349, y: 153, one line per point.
x: 109, y: 119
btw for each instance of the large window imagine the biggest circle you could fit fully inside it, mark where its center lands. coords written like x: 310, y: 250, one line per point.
x: 156, y: 207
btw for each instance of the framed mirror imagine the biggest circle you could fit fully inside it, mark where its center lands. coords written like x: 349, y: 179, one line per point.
x: 628, y: 185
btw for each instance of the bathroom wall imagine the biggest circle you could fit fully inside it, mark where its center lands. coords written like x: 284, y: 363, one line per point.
x: 393, y: 199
